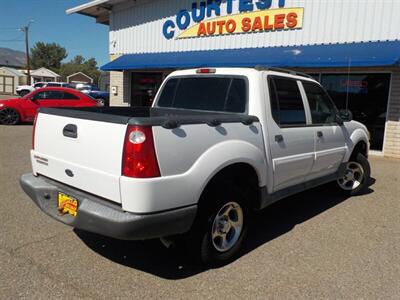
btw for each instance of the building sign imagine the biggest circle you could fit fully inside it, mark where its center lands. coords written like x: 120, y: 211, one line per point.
x: 253, y: 16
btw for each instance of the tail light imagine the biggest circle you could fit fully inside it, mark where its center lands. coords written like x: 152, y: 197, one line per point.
x: 139, y: 158
x: 33, y: 132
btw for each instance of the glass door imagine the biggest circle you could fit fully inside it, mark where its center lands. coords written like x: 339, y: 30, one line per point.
x: 144, y: 88
x: 366, y: 96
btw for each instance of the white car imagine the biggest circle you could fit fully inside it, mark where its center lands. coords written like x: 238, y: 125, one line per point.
x: 23, y: 90
x: 217, y: 145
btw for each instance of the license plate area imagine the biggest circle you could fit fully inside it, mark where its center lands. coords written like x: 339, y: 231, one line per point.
x: 67, y: 204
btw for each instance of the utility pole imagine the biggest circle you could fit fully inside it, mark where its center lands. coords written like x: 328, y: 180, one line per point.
x: 25, y: 29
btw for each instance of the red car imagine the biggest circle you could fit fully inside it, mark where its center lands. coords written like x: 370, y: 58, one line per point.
x: 13, y: 111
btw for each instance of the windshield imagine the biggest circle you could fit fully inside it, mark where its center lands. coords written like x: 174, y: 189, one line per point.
x: 210, y: 93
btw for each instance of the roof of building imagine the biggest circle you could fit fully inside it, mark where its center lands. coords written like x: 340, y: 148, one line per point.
x: 316, y: 56
x: 13, y: 71
x: 97, y: 9
x: 44, y: 72
x: 80, y: 73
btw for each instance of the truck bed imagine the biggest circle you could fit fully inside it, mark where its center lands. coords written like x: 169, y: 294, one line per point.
x: 91, y: 158
x: 167, y: 118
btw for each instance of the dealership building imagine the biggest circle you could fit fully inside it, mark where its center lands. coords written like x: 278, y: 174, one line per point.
x: 351, y: 47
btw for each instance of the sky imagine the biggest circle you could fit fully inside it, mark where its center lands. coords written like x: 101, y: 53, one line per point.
x: 78, y: 34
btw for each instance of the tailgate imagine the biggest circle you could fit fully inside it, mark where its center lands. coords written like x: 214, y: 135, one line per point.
x: 91, y: 161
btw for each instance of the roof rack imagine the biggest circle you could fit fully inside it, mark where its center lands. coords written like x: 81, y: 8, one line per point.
x: 266, y: 68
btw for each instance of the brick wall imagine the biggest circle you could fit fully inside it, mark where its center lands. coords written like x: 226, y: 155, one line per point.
x: 392, y: 135
x: 122, y: 81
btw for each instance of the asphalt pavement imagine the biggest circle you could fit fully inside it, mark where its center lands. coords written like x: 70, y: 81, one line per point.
x: 315, y: 245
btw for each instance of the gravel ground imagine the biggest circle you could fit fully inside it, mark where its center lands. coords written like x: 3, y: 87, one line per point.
x: 313, y: 245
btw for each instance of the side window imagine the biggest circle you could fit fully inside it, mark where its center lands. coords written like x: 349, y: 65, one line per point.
x: 286, y: 102
x: 274, y: 101
x: 322, y: 109
x: 38, y: 85
x: 54, y: 95
x: 53, y: 85
x: 69, y: 96
x: 40, y: 96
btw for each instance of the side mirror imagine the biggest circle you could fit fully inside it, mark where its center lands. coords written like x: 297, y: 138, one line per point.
x: 345, y: 115
x: 339, y: 120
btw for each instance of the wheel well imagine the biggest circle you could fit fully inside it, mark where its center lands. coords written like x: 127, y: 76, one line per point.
x: 361, y: 147
x: 239, y: 175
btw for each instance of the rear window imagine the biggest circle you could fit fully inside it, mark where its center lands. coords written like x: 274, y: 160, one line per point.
x: 221, y: 94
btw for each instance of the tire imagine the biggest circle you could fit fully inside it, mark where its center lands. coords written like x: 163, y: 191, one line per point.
x: 9, y: 116
x: 220, y: 227
x: 357, y: 175
x: 23, y: 93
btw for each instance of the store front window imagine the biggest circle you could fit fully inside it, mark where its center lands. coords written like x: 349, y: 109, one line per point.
x: 144, y: 88
x: 366, y: 96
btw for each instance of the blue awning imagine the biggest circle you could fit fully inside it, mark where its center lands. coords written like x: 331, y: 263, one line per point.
x: 369, y: 54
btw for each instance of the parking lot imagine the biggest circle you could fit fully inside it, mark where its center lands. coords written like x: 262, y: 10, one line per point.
x: 313, y: 245
x: 4, y: 96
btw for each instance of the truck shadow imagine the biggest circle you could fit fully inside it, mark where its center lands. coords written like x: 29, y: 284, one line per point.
x: 173, y: 264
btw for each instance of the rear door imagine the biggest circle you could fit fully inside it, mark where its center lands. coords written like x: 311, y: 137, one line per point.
x: 330, y: 144
x: 291, y: 139
x: 38, y: 100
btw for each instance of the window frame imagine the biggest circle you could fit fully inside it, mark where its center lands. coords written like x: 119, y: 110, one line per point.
x: 246, y: 81
x: 336, y: 111
x: 304, y: 101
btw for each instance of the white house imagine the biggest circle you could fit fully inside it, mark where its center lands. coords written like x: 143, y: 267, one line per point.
x: 79, y: 77
x: 43, y: 74
x: 10, y: 78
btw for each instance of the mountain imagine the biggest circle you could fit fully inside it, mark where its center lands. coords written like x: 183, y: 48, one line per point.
x: 12, y: 58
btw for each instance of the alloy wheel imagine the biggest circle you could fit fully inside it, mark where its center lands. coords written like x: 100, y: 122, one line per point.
x: 8, y: 116
x: 353, y: 176
x: 227, y: 226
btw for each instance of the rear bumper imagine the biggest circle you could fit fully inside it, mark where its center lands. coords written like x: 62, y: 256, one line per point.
x: 102, y: 217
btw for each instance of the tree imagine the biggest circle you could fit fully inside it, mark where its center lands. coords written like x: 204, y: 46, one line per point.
x: 48, y: 55
x: 80, y: 64
x: 79, y: 59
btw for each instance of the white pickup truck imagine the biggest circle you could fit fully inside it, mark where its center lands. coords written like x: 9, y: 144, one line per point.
x: 216, y: 145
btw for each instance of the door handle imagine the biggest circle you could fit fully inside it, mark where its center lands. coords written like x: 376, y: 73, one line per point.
x: 71, y: 131
x: 320, y: 134
x: 279, y: 138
